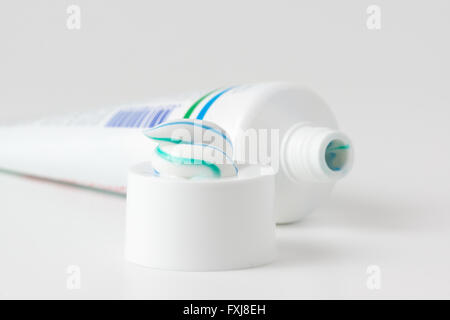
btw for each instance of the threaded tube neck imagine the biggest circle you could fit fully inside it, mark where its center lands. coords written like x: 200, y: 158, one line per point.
x: 316, y: 153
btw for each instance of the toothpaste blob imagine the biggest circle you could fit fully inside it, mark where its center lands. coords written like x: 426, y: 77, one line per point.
x: 192, y: 149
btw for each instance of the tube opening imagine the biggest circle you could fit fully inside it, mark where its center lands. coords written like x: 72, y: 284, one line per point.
x: 337, y: 154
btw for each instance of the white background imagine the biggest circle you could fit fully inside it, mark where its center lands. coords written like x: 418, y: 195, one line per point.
x: 389, y: 89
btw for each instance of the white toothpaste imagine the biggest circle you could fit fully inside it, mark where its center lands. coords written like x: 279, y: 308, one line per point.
x: 287, y: 126
x: 192, y: 149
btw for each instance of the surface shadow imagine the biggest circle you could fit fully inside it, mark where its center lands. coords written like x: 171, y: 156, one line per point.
x: 303, y: 253
x: 370, y: 212
x: 352, y: 214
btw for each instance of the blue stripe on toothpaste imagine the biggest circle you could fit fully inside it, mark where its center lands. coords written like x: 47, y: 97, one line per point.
x: 192, y: 124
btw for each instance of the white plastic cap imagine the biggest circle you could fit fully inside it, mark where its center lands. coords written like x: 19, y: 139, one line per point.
x: 200, y: 225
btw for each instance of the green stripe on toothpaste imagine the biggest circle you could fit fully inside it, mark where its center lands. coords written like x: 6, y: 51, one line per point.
x: 188, y: 161
x: 347, y: 146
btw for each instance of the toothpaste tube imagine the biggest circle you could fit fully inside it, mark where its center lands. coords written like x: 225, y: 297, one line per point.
x: 277, y: 124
